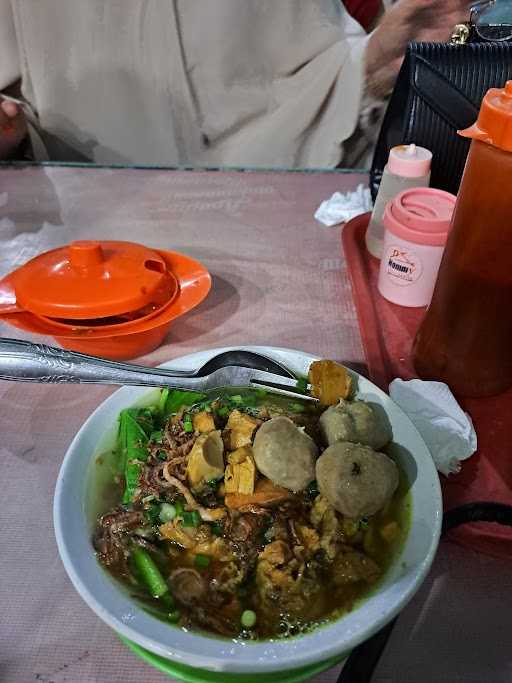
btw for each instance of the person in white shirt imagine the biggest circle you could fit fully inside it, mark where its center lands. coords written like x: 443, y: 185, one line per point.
x: 261, y: 83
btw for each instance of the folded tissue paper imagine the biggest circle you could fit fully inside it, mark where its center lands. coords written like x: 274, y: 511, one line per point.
x: 342, y: 207
x: 446, y: 429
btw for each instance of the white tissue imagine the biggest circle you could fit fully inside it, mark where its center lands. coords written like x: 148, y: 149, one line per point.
x: 342, y: 207
x: 446, y: 429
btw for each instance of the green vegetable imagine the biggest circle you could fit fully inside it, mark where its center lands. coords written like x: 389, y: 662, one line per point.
x: 302, y: 385
x: 187, y: 424
x: 174, y: 616
x: 217, y: 529
x: 150, y: 575
x: 237, y: 399
x: 167, y: 512
x: 296, y: 408
x: 177, y: 399
x: 191, y: 518
x: 179, y: 504
x: 162, y: 455
x: 213, y: 484
x: 132, y: 442
x: 223, y: 411
x: 248, y: 618
x: 164, y: 395
x: 156, y: 436
x: 202, y: 561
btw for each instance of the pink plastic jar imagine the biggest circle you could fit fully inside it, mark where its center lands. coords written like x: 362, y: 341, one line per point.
x: 416, y: 223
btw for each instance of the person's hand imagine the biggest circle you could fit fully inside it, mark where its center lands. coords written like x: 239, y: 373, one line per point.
x: 13, y: 127
x: 406, y: 20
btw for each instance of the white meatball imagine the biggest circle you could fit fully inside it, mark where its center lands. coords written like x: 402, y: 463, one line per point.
x: 285, y: 454
x: 356, y: 480
x: 357, y: 422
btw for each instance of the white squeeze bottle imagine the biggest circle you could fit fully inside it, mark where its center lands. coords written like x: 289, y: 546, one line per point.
x: 408, y: 166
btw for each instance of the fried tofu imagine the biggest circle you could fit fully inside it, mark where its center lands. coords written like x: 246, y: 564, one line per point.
x: 240, y: 429
x: 203, y: 422
x: 240, y: 474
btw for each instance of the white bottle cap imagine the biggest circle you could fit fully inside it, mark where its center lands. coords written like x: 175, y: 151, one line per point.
x: 409, y: 161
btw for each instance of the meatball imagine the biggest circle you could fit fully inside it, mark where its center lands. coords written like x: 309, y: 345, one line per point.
x: 285, y: 454
x: 356, y: 480
x: 357, y: 422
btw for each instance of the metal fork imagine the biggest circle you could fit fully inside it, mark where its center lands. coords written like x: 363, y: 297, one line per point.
x: 23, y: 361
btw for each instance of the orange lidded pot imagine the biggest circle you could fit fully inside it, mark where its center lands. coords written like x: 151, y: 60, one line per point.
x: 465, y: 338
x: 110, y: 298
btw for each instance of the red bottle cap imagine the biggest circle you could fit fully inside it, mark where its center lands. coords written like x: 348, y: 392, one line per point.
x: 494, y: 123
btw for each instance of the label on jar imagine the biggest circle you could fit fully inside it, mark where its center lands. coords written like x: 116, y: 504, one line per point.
x: 403, y: 266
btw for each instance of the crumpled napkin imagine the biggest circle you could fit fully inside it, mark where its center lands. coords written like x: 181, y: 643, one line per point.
x: 341, y: 207
x: 446, y: 429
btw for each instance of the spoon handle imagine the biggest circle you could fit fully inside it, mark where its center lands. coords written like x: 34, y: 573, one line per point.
x: 23, y: 361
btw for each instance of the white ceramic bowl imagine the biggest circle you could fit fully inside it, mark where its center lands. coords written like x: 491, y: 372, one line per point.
x: 75, y: 509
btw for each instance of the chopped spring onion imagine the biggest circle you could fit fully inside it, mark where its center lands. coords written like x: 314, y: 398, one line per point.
x: 217, y: 528
x: 223, y: 411
x: 191, y: 518
x: 167, y: 512
x: 248, y: 618
x: 180, y: 507
x: 202, y: 561
x: 187, y: 424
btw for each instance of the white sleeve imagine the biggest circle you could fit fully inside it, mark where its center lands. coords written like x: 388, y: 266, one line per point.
x: 9, y: 57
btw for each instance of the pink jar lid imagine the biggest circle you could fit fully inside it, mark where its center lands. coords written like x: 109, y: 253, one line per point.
x: 421, y: 215
x: 409, y: 161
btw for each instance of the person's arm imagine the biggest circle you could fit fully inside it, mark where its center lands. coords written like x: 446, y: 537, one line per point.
x: 13, y: 127
x: 406, y: 20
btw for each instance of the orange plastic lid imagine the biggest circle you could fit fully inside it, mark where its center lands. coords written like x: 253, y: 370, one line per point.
x: 87, y: 280
x: 494, y: 124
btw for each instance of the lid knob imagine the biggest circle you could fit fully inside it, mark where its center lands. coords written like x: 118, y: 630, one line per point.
x: 85, y: 253
x: 494, y: 124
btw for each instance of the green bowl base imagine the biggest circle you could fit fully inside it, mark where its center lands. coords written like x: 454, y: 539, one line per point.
x: 188, y: 674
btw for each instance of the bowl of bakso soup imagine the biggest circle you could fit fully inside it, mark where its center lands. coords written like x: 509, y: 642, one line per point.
x: 240, y: 531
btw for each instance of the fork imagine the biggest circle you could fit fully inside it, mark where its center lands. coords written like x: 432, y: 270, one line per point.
x: 23, y: 361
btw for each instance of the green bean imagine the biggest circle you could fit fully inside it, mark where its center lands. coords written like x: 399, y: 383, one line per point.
x: 151, y: 577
